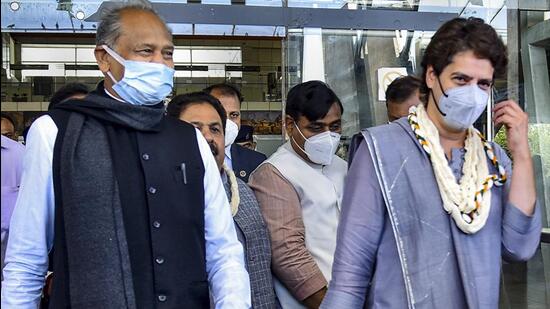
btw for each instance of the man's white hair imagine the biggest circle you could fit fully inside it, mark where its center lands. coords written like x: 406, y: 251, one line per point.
x: 109, y: 28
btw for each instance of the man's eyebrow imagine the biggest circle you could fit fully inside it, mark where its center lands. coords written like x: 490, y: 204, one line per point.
x: 142, y: 45
x: 153, y: 46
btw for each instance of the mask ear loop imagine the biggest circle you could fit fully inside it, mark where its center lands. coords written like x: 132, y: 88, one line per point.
x: 116, y: 56
x: 113, y: 54
x: 295, y: 142
x: 435, y: 101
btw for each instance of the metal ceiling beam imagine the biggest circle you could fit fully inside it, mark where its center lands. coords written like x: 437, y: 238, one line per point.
x: 376, y: 19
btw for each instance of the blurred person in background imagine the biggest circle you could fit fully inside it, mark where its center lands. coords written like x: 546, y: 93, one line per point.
x: 12, y: 157
x: 402, y: 93
x: 74, y: 90
x: 8, y: 126
x: 238, y: 158
x: 245, y: 137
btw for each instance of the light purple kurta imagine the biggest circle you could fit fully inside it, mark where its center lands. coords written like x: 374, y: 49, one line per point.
x: 12, y: 155
x: 367, y: 266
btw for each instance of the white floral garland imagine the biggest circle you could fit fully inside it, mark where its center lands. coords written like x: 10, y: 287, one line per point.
x: 235, y: 198
x: 469, y: 201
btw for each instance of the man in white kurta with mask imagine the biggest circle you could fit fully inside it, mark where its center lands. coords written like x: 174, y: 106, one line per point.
x: 299, y: 189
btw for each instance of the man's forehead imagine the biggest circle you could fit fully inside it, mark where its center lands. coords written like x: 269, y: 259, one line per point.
x: 204, y: 113
x: 225, y: 98
x: 134, y: 38
x: 6, y: 122
x: 140, y: 25
x: 323, y: 121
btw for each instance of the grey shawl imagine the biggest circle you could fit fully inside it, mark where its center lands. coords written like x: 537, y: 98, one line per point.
x: 97, y: 252
x: 257, y: 247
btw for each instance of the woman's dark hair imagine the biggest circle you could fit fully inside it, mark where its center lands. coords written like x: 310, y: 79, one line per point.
x: 460, y: 35
x: 181, y: 102
x: 312, y: 100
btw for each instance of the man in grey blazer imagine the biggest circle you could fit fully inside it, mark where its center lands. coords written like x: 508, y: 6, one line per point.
x: 207, y: 114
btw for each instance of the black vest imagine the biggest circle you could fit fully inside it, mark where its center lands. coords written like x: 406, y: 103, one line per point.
x: 160, y: 177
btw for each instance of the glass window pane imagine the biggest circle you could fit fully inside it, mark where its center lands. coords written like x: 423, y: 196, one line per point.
x: 50, y: 54
x: 182, y: 55
x: 216, y: 56
x: 85, y: 55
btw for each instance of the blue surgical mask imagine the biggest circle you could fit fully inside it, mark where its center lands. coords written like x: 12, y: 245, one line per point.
x: 461, y: 106
x: 143, y: 83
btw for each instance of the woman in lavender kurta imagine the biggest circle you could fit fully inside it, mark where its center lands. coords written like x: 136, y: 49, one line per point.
x: 429, y: 207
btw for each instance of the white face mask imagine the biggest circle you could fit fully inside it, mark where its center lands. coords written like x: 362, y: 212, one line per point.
x: 231, y: 132
x: 461, y: 106
x: 320, y: 148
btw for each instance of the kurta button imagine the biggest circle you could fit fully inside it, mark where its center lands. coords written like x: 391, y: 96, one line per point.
x: 156, y: 224
x: 161, y: 297
x: 145, y: 157
x: 152, y: 190
x: 159, y: 260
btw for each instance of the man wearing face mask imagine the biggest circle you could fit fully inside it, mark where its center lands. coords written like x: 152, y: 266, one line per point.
x: 128, y: 203
x: 401, y: 94
x: 302, y: 213
x: 238, y: 158
x: 208, y: 115
x: 430, y: 194
x: 245, y: 137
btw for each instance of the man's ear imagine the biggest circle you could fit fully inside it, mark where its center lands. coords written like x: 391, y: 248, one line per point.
x: 102, y: 58
x: 431, y: 77
x: 289, y: 124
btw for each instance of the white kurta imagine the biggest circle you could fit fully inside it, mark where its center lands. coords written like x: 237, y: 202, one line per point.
x: 320, y: 191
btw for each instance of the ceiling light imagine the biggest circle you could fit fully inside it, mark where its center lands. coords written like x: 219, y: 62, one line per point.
x: 14, y: 5
x: 80, y: 15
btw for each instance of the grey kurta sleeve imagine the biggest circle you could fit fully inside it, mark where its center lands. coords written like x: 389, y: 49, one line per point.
x: 359, y: 234
x: 520, y: 232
